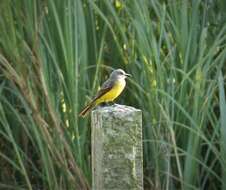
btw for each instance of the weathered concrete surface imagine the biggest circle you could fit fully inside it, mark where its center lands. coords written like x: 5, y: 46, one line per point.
x: 117, y: 158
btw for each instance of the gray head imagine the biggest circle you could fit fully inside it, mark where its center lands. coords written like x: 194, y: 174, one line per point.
x: 119, y: 74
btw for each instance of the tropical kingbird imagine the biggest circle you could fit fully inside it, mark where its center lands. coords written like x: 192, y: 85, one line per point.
x: 110, y: 90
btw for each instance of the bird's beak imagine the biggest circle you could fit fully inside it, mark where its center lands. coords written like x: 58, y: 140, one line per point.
x: 128, y: 75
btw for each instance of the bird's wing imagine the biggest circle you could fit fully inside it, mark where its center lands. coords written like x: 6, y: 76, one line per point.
x: 104, y: 89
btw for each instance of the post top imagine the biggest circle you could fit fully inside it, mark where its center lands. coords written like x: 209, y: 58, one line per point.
x: 116, y: 109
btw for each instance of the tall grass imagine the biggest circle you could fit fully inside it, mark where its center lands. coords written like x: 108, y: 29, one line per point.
x: 54, y: 55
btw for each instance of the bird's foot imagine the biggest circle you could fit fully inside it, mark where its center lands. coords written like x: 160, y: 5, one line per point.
x: 103, y: 104
x: 107, y: 104
x: 111, y: 103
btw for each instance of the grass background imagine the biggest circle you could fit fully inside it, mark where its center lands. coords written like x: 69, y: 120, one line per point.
x: 54, y: 54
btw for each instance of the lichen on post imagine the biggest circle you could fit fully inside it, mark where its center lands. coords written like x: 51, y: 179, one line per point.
x: 117, y: 161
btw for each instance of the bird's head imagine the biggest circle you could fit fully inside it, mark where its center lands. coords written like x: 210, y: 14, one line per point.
x: 119, y: 74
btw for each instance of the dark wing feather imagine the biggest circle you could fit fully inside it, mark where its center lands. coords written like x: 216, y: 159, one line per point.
x: 104, y: 89
x: 108, y: 84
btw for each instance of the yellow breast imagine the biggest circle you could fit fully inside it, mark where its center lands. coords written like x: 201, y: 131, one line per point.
x: 113, y: 93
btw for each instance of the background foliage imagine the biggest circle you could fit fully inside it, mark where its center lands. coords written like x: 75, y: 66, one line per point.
x: 54, y: 54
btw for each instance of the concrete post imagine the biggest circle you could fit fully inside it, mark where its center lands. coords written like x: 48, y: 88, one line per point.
x: 117, y: 155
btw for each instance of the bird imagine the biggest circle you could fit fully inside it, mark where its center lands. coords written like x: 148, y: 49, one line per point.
x: 109, y: 91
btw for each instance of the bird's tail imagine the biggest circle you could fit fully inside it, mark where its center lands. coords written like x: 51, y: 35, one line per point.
x: 87, y: 109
